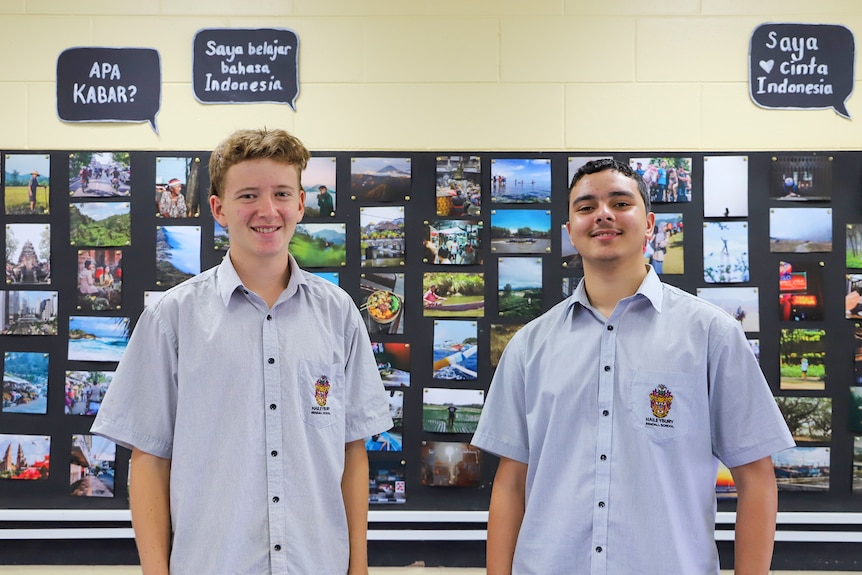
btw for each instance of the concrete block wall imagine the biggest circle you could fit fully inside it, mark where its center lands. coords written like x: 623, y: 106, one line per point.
x: 473, y: 75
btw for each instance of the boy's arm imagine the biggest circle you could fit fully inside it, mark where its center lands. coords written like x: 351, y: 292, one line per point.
x: 505, y: 515
x: 354, y: 490
x: 756, y: 509
x: 149, y: 499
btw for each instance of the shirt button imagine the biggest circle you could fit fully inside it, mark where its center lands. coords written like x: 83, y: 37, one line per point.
x: 598, y: 549
x: 274, y: 453
x: 601, y: 503
x: 275, y: 500
x: 272, y: 406
x: 603, y: 457
x: 606, y: 413
x: 610, y: 328
x: 607, y: 368
x: 277, y: 547
x: 269, y: 317
x: 271, y: 360
x: 245, y: 291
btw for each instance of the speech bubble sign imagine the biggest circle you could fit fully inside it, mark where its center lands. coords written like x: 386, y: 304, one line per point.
x: 245, y: 65
x: 98, y: 84
x: 802, y: 66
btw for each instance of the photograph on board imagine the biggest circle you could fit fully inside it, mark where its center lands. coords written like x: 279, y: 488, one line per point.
x: 178, y: 254
x: 800, y: 290
x: 99, y: 174
x: 102, y: 339
x: 28, y: 312
x: 387, y: 481
x: 25, y: 457
x: 100, y: 224
x: 451, y: 464
x: 519, y: 287
x: 100, y: 280
x: 178, y: 187
x: 725, y: 186
x: 665, y: 249
x: 455, y: 354
x: 520, y: 181
x: 453, y: 242
x: 501, y: 333
x: 393, y: 363
x: 517, y: 231
x: 381, y: 302
x: 668, y: 179
x: 801, y: 178
x: 380, y: 179
x: 802, y: 469
x: 221, y: 239
x: 447, y: 294
x: 802, y: 359
x: 857, y: 464
x: 725, y: 252
x: 459, y: 186
x: 318, y: 181
x: 446, y: 410
x: 392, y: 439
x: 853, y: 257
x: 319, y: 245
x: 91, y: 467
x: 740, y: 303
x: 25, y: 382
x: 27, y: 184
x: 28, y: 254
x: 381, y: 236
x: 85, y: 390
x: 800, y: 230
x: 808, y: 418
x: 575, y: 163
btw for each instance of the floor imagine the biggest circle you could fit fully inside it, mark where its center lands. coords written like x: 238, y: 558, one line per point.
x: 125, y: 570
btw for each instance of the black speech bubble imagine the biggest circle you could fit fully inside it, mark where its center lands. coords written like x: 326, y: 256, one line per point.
x: 109, y: 85
x: 247, y: 65
x: 801, y: 66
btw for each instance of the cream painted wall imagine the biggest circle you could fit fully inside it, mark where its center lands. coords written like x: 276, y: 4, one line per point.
x: 440, y: 74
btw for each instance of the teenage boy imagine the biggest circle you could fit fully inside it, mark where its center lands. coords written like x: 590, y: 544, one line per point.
x: 611, y: 411
x: 245, y: 394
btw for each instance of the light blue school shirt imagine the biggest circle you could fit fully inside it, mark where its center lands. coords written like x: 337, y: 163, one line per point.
x: 617, y: 481
x: 253, y: 406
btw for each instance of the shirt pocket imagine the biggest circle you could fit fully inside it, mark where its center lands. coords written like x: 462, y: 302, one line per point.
x: 660, y: 403
x: 321, y: 392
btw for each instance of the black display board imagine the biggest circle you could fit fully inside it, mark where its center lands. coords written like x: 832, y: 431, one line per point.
x: 139, y: 274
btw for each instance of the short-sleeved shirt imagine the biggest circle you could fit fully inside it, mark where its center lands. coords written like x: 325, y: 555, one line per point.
x: 254, y: 407
x: 621, y: 422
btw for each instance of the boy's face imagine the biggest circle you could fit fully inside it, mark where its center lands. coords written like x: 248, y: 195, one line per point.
x: 260, y: 206
x: 607, y: 218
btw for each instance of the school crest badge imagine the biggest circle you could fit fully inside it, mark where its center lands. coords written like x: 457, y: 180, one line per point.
x: 321, y: 390
x: 660, y: 400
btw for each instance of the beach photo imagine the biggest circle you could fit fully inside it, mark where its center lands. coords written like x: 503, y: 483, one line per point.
x: 802, y: 359
x: 178, y: 183
x: 318, y: 181
x: 99, y: 174
x: 520, y: 231
x: 100, y: 224
x: 459, y: 186
x: 28, y: 254
x: 801, y: 178
x: 800, y: 290
x: 501, y: 333
x: 393, y: 363
x: 381, y: 302
x: 668, y: 179
x: 25, y: 457
x: 808, y: 418
x: 100, y: 280
x: 25, y: 382
x: 27, y: 184
x: 178, y: 254
x: 456, y: 345
x: 665, y: 251
x: 29, y: 312
x: 725, y: 252
x: 741, y: 303
x: 520, y: 181
x: 380, y: 179
x: 319, y: 245
x: 452, y: 242
x: 447, y: 410
x: 451, y: 464
x: 800, y: 230
x: 802, y: 469
x: 453, y: 294
x: 392, y: 439
x: 387, y: 481
x: 102, y: 339
x: 725, y: 186
x: 519, y: 287
x: 91, y: 468
x: 84, y: 391
x: 381, y: 236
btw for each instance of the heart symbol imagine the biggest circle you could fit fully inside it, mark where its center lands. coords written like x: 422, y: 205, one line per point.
x: 767, y: 65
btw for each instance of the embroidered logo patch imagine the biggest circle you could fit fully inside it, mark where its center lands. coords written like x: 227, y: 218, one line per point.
x: 321, y: 390
x: 660, y: 401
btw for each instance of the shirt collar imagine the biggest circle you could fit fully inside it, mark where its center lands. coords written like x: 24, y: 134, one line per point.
x: 650, y: 288
x: 229, y: 280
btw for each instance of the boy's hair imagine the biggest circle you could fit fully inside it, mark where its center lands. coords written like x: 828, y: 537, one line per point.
x: 246, y: 144
x: 596, y: 166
